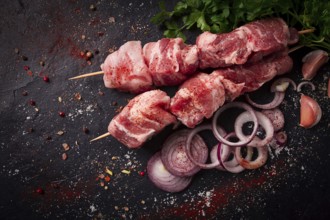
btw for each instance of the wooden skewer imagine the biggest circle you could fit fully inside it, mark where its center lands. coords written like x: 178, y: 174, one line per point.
x: 100, y: 137
x: 311, y: 30
x: 87, y: 75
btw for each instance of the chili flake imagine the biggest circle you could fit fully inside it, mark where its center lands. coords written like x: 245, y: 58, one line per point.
x: 40, y: 191
x: 46, y: 79
x: 107, y: 179
x: 62, y: 114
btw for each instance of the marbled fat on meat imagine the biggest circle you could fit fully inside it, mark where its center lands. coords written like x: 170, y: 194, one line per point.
x: 198, y: 97
x: 126, y: 70
x: 144, y: 116
x: 170, y: 61
x: 248, y: 43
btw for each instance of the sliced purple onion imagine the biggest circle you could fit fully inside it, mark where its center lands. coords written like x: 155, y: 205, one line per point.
x: 277, y: 100
x: 263, y: 121
x: 174, y: 154
x: 224, y: 154
x: 276, y: 117
x: 214, y: 157
x: 163, y: 179
x: 243, y: 141
x: 191, y: 157
x: 279, y: 140
x: 258, y: 162
x: 281, y: 84
x: 300, y: 85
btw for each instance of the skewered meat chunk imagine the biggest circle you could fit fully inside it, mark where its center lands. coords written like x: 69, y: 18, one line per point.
x: 198, y: 97
x: 248, y: 43
x: 144, y: 116
x: 170, y: 61
x: 126, y: 70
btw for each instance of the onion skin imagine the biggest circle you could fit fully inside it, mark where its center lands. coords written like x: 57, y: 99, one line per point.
x: 313, y: 61
x: 310, y: 112
x: 278, y: 99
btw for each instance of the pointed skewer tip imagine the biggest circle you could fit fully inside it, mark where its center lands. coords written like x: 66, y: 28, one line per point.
x: 87, y: 75
x: 100, y: 137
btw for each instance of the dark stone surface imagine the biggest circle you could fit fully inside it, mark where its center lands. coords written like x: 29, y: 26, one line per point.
x: 293, y: 185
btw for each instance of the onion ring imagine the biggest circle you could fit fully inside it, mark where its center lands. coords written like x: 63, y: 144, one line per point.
x: 300, y: 85
x: 163, y: 179
x: 258, y: 162
x: 265, y: 123
x: 188, y: 147
x: 174, y: 155
x: 238, y: 105
x: 224, y: 152
x: 276, y: 117
x: 277, y: 100
x: 277, y: 85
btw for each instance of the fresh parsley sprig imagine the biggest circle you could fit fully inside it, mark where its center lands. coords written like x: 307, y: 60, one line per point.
x: 218, y: 16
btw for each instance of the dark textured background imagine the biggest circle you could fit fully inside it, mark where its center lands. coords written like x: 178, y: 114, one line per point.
x: 294, y: 184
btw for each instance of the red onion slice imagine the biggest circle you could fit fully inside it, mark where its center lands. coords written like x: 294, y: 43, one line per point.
x: 279, y: 140
x: 163, y: 179
x: 258, y: 162
x: 174, y: 154
x: 265, y: 123
x: 188, y: 147
x: 281, y: 84
x: 214, y: 158
x: 276, y: 117
x: 277, y: 100
x: 300, y: 85
x: 243, y: 141
x: 224, y: 152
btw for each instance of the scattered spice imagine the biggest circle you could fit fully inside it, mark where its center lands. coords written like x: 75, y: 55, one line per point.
x: 112, y: 20
x: 102, y: 183
x: 16, y: 50
x: 30, y: 130
x: 126, y: 172
x: 96, y: 51
x: 77, y: 96
x: 100, y: 34
x: 83, y: 37
x: 42, y: 63
x: 66, y: 147
x: 143, y: 202
x: 62, y: 114
x: 32, y: 102
x: 85, y: 130
x: 118, y: 110
x: 60, y: 133
x: 107, y: 179
x: 29, y: 72
x: 46, y: 78
x: 101, y: 93
x: 64, y: 156
x: 141, y: 173
x: 40, y: 191
x: 26, y: 68
x: 114, y: 158
x: 89, y: 54
x: 92, y: 7
x: 101, y: 176
x: 108, y: 171
x: 126, y: 209
x: 114, y: 103
x: 24, y: 93
x: 24, y: 58
x: 106, y: 187
x: 47, y: 137
x: 59, y: 99
x: 89, y: 63
x: 36, y: 109
x: 116, y: 207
